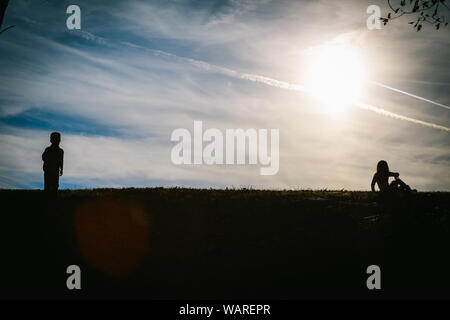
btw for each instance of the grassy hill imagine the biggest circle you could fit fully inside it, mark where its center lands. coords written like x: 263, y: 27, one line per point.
x: 205, y: 244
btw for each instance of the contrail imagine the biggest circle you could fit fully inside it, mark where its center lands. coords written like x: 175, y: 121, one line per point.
x: 228, y: 72
x: 366, y: 106
x: 410, y: 94
x: 253, y: 77
x: 295, y: 87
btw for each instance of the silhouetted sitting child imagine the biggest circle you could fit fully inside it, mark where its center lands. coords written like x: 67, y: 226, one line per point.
x: 53, y: 157
x: 381, y: 178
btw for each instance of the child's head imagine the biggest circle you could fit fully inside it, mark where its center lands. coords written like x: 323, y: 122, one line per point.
x: 55, y: 138
x: 382, y: 167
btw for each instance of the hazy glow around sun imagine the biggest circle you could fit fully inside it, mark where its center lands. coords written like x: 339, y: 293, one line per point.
x: 335, y: 76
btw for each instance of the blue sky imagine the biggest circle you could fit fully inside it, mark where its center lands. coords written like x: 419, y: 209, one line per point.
x: 118, y: 87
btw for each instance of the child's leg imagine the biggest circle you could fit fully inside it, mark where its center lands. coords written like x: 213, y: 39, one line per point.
x: 403, y: 186
x: 46, y: 182
x: 51, y: 183
x: 393, y: 186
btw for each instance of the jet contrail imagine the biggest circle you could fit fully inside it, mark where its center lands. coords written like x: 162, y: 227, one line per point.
x: 410, y: 94
x: 290, y: 86
x: 300, y: 88
x: 366, y: 106
x: 231, y: 73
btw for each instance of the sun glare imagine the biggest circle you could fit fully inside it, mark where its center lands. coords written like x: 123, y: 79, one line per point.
x: 336, y: 76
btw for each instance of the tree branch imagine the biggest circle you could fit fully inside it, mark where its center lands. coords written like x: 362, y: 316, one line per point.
x: 3, y: 6
x: 421, y: 8
x: 6, y: 29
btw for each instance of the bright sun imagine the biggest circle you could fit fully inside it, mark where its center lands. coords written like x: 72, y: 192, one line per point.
x: 336, y: 76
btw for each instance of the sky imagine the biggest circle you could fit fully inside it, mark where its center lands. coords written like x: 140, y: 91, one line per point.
x: 137, y: 70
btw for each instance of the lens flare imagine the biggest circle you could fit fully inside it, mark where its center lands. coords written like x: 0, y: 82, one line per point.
x: 112, y: 237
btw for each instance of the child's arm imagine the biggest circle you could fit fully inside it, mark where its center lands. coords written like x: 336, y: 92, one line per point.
x: 61, y: 163
x: 44, y: 155
x: 374, y: 180
x: 394, y: 174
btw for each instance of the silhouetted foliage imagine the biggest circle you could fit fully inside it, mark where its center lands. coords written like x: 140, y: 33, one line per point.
x: 433, y: 12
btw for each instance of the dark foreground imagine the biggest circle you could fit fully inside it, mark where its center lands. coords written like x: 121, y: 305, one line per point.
x: 214, y: 244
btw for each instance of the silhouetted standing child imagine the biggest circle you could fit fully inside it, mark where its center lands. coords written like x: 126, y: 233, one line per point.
x: 53, y: 157
x: 381, y: 178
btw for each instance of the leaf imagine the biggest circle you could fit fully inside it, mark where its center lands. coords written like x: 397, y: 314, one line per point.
x: 419, y: 27
x: 389, y: 15
x: 437, y: 26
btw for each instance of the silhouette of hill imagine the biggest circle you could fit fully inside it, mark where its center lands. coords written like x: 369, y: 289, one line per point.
x: 165, y: 243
